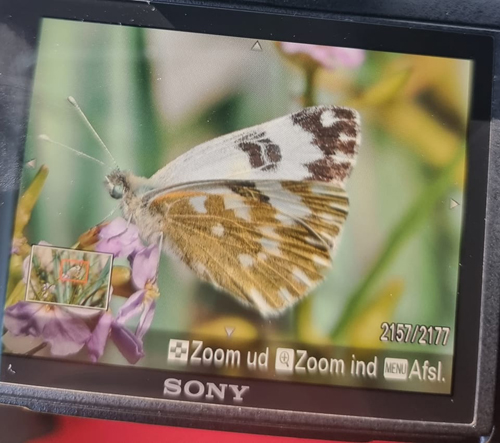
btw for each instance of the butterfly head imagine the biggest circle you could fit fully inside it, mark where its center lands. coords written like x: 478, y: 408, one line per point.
x: 118, y: 184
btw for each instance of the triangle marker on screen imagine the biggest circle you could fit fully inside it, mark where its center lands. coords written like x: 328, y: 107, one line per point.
x: 31, y: 164
x: 257, y: 46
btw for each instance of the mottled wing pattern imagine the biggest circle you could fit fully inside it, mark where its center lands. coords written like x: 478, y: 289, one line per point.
x: 267, y: 243
x: 318, y: 143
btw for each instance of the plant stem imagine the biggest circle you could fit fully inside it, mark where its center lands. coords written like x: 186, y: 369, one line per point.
x: 409, y: 223
x: 309, y: 96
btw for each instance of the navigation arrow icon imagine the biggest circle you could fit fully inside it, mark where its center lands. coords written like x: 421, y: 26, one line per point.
x: 453, y: 203
x: 229, y: 330
x: 256, y: 46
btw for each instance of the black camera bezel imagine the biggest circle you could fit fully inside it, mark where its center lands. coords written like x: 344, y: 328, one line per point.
x: 467, y: 411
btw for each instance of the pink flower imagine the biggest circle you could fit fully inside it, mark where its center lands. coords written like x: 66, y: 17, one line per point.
x: 127, y: 343
x: 142, y: 302
x: 329, y: 57
x: 119, y: 238
x: 63, y: 329
x: 144, y: 266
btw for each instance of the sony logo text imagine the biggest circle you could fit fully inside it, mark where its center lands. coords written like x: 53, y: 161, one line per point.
x: 196, y: 390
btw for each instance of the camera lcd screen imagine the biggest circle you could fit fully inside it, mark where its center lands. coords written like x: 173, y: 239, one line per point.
x: 240, y: 208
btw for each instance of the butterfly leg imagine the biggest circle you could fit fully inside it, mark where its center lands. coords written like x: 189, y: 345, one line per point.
x: 159, y: 246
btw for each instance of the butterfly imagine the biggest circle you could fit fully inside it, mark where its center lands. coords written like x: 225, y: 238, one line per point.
x: 257, y: 213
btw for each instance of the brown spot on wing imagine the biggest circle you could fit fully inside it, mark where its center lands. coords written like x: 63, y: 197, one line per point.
x: 328, y: 137
x: 262, y: 152
x: 345, y: 113
x: 327, y: 169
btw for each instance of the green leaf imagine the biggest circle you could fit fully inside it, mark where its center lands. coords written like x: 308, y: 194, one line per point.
x: 17, y: 295
x: 28, y: 200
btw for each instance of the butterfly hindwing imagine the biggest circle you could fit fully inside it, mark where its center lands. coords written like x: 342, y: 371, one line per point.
x: 267, y: 243
x: 318, y: 143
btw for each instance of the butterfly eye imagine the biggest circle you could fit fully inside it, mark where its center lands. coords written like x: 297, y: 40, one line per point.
x: 116, y: 191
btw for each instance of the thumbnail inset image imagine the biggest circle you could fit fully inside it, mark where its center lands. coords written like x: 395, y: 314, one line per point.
x: 69, y: 277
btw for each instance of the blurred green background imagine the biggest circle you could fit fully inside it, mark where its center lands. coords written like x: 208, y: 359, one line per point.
x: 154, y: 94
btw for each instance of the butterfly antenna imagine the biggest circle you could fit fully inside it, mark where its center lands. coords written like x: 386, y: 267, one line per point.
x: 46, y: 138
x: 89, y: 125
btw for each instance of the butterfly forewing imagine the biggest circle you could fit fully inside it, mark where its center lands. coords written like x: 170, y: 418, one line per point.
x: 268, y: 243
x: 318, y: 144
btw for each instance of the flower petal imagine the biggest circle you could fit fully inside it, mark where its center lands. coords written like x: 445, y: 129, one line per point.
x: 112, y: 246
x: 119, y: 238
x: 146, y: 318
x: 66, y: 333
x: 145, y: 266
x: 25, y: 318
x: 99, y: 337
x: 116, y: 227
x: 132, y: 307
x: 83, y: 312
x: 127, y: 343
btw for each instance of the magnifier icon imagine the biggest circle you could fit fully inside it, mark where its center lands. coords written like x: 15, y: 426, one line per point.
x: 284, y: 358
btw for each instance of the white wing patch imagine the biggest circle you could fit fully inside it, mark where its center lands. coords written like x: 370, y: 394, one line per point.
x: 198, y: 204
x: 218, y: 230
